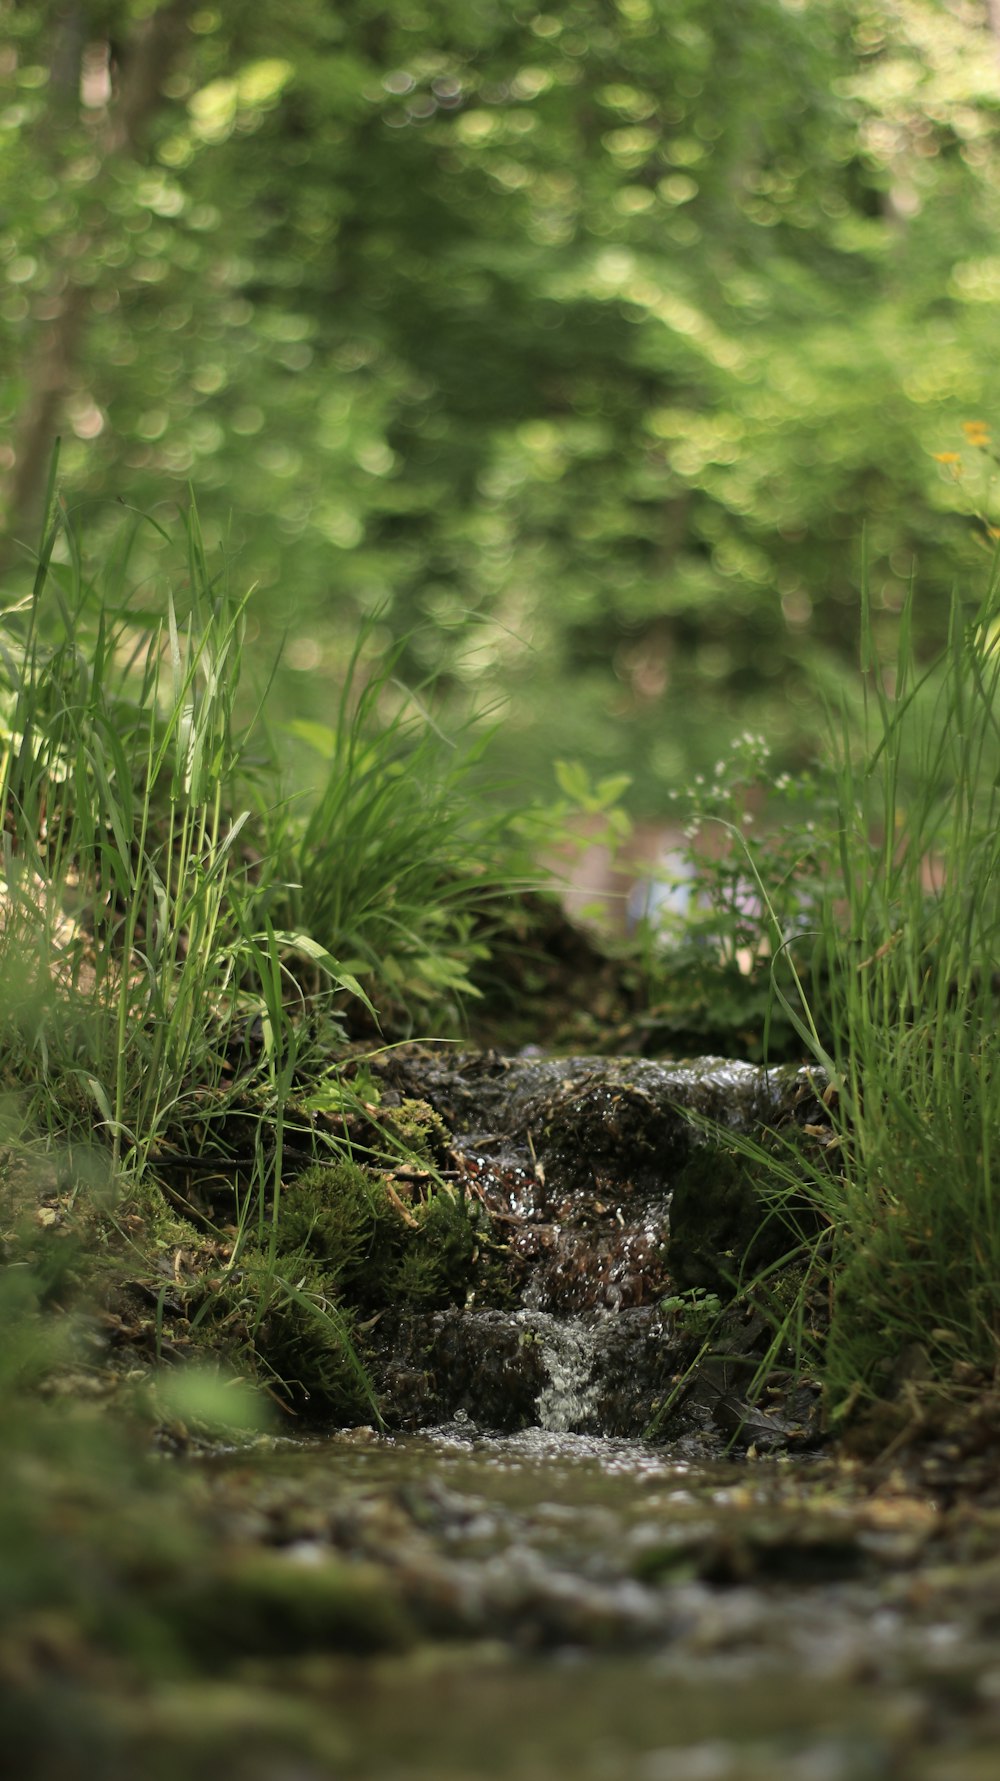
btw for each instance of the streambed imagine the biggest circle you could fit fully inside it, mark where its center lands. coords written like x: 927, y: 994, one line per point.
x: 593, y: 1545
x: 515, y: 1584
x: 580, y: 1606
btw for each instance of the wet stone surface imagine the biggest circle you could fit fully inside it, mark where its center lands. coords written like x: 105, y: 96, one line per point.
x: 602, y: 1199
x: 580, y: 1111
x: 587, y: 1607
x: 507, y: 1371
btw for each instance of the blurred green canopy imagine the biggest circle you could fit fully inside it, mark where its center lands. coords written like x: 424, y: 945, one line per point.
x: 583, y: 345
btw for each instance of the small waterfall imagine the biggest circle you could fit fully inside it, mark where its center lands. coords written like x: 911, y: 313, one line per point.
x: 568, y: 1349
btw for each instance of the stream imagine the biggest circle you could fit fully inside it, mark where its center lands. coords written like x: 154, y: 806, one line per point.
x: 518, y: 1584
x: 595, y: 1609
x: 603, y: 1534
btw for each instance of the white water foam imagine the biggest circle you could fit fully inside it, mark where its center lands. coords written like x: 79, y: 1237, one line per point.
x: 568, y: 1350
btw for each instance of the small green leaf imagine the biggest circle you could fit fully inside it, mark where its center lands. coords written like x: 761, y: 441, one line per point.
x: 574, y: 780
x: 319, y: 737
x: 613, y: 787
x: 312, y: 949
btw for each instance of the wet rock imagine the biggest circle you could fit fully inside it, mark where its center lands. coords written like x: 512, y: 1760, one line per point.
x: 635, y: 1363
x: 478, y: 1364
x: 719, y: 1230
x: 579, y: 1111
x: 628, y: 1374
x: 604, y: 1198
x: 578, y: 1161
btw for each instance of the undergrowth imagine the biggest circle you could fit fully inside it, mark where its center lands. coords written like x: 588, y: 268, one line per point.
x: 186, y: 951
x: 186, y: 947
x: 891, y: 1205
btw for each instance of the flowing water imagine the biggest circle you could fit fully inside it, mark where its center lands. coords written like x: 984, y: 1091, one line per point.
x: 569, y: 1348
x: 558, y: 1604
x: 594, y: 1609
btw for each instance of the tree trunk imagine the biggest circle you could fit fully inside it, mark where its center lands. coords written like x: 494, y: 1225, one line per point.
x: 150, y: 54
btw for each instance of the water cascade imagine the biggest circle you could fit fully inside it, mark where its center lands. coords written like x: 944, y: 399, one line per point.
x: 568, y: 1348
x: 598, y: 1199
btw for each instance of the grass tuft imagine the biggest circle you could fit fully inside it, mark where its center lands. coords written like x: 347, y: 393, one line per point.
x: 182, y: 945
x: 894, y: 1211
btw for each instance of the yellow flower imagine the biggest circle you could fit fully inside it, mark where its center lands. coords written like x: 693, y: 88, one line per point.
x: 947, y: 457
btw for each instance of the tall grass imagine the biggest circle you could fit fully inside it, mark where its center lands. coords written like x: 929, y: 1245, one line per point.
x: 162, y: 898
x: 120, y: 781
x: 902, y: 1018
x: 915, y: 998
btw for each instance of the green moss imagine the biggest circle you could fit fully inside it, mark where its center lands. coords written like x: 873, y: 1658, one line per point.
x: 145, y: 1213
x: 287, y: 1318
x: 787, y: 1287
x: 344, y: 1217
x: 417, y: 1128
x: 435, y: 1268
x: 349, y: 1249
x: 351, y: 1245
x: 375, y: 1251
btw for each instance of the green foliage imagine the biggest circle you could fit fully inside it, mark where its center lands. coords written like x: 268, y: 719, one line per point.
x: 343, y: 1249
x: 396, y: 864
x: 149, y: 930
x: 578, y: 344
x: 745, y: 875
x: 436, y: 1269
x: 746, y: 827
x: 902, y: 1186
x: 696, y: 1005
x: 416, y: 1129
x: 120, y: 774
x: 602, y: 799
x: 696, y: 1311
x: 283, y: 1314
x: 158, y: 890
x: 377, y: 1250
x: 344, y: 1216
x: 914, y: 982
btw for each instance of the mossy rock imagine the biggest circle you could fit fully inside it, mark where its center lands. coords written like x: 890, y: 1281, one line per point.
x: 343, y: 1216
x: 289, y: 1320
x: 376, y: 1251
x: 436, y: 1266
x: 720, y: 1232
x: 418, y: 1128
x: 349, y: 1250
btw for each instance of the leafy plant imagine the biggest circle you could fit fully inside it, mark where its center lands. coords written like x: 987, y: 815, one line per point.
x: 168, y: 917
x: 120, y: 779
x: 403, y: 859
x: 903, y: 1182
x: 744, y: 877
x: 696, y: 1310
